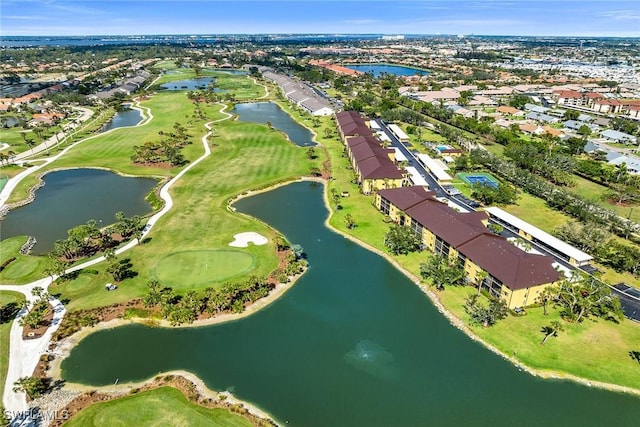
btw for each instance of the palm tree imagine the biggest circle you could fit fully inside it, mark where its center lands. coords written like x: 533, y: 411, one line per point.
x: 30, y: 143
x: 481, y: 276
x: 551, y: 330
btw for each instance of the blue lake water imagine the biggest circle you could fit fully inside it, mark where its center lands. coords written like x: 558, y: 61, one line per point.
x: 263, y: 112
x: 353, y: 343
x: 378, y: 69
x: 72, y: 197
x: 190, y: 84
x: 123, y: 118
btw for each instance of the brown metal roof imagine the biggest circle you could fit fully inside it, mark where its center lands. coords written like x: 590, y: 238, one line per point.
x: 511, y: 265
x: 405, y: 197
x: 452, y: 227
x: 466, y: 233
x: 379, y: 168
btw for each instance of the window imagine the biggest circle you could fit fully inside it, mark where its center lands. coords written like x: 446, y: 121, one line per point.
x: 442, y: 247
x: 416, y: 227
x: 384, y: 206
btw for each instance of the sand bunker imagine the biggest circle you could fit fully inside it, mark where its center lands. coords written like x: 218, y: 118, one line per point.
x: 242, y: 240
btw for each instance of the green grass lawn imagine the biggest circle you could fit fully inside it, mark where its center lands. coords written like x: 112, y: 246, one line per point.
x: 595, y: 350
x: 25, y: 268
x: 597, y: 193
x: 164, y: 406
x: 11, y: 170
x: 8, y: 300
x: 535, y: 211
x: 200, y: 220
x: 198, y: 268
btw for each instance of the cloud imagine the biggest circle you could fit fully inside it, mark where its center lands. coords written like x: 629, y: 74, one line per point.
x: 25, y: 17
x: 72, y: 7
x: 621, y: 15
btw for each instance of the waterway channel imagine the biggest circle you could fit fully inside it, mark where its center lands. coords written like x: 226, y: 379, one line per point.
x: 353, y: 343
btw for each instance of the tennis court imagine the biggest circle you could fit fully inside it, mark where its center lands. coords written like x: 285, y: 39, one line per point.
x: 479, y: 178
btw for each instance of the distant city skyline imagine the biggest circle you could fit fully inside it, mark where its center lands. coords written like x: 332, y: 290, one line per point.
x: 581, y: 18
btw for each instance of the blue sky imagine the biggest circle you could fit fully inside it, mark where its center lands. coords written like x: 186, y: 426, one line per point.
x: 495, y: 17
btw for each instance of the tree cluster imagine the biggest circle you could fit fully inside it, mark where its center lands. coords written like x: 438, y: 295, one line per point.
x: 401, y: 240
x: 231, y: 297
x: 442, y: 271
x: 485, y: 316
x: 557, y: 198
x: 167, y: 149
x: 597, y: 241
x: 87, y: 239
x: 503, y: 194
x: 38, y: 310
x: 584, y: 296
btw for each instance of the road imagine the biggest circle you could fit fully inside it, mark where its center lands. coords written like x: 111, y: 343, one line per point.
x: 52, y: 141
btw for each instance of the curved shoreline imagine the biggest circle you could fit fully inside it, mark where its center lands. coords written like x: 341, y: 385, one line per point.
x: 63, y: 348
x: 460, y: 324
x: 6, y: 207
x: 116, y: 391
x: 31, y: 196
x: 274, y: 295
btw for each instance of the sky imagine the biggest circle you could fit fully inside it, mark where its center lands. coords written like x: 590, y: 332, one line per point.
x: 603, y: 18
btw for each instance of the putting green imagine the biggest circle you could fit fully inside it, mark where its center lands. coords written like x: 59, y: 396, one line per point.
x: 193, y: 268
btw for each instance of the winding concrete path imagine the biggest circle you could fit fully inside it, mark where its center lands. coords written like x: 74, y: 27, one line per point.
x: 25, y: 354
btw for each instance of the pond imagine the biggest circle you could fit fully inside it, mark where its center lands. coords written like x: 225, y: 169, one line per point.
x: 72, y: 197
x: 229, y: 71
x: 190, y: 84
x: 8, y: 121
x: 353, y: 343
x: 263, y: 112
x: 123, y: 118
x: 378, y: 69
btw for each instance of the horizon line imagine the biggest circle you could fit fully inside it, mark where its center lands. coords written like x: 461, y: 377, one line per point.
x: 316, y: 34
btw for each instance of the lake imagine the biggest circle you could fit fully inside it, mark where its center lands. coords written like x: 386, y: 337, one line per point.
x: 123, y: 118
x: 378, y: 69
x: 190, y: 84
x: 73, y: 197
x: 353, y: 343
x: 263, y: 112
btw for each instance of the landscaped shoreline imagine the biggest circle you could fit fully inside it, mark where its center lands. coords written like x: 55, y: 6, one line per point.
x: 276, y: 293
x: 460, y: 324
x: 31, y: 196
x: 68, y: 404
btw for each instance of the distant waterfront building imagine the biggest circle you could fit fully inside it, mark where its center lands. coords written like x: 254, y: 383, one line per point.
x: 374, y: 166
x: 300, y: 94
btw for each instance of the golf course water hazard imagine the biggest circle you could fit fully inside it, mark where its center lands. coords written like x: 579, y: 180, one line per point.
x: 123, y: 118
x: 353, y: 343
x: 269, y: 112
x: 72, y: 197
